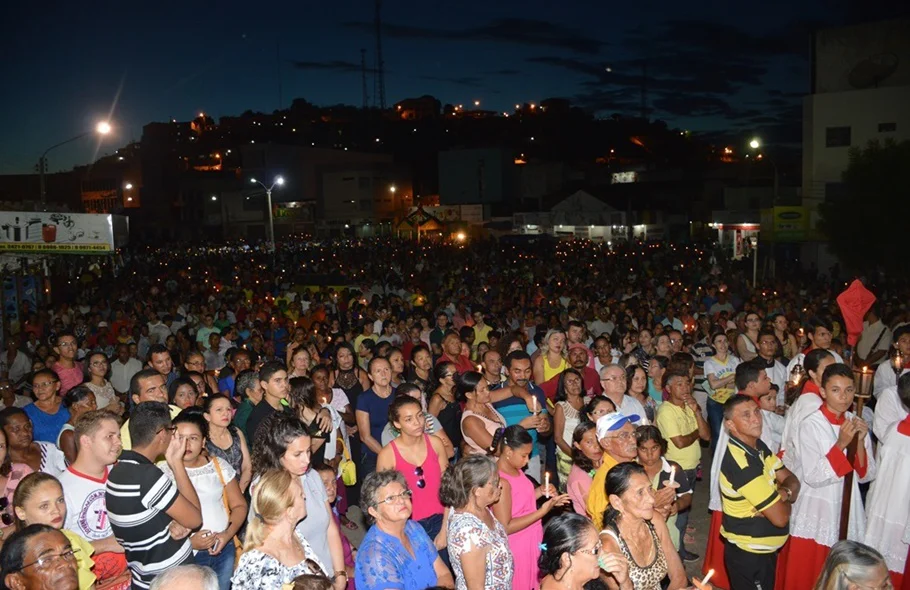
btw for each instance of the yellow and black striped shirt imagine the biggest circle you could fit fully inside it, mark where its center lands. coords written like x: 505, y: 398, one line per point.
x: 747, y: 487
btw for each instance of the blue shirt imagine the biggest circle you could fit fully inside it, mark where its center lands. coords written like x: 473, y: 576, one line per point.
x: 384, y: 564
x: 46, y: 427
x: 514, y: 410
x: 378, y: 409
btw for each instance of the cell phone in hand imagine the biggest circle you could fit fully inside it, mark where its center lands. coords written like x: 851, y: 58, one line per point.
x: 214, y: 547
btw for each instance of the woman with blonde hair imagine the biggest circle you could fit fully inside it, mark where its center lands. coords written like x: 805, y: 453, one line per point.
x: 274, y: 553
x: 552, y: 358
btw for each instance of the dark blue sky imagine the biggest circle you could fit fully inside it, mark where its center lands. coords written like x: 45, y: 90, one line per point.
x: 711, y: 66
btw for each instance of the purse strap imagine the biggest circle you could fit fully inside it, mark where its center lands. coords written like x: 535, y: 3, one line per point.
x: 224, y: 499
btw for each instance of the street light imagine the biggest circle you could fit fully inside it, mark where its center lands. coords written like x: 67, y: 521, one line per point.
x: 755, y: 143
x: 102, y: 128
x: 279, y: 181
x: 392, y: 189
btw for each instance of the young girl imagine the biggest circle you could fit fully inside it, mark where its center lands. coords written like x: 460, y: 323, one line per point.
x: 105, y: 396
x: 327, y: 474
x: 223, y: 507
x: 39, y: 500
x: 517, y: 507
x: 78, y: 401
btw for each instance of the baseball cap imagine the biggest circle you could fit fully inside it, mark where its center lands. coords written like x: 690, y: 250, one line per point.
x: 613, y: 422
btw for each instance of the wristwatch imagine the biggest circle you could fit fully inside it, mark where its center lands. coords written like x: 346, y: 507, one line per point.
x: 340, y: 573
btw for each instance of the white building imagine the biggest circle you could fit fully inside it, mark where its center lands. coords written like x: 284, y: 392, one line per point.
x: 860, y: 92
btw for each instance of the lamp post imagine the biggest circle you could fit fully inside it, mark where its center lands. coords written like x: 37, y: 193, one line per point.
x: 279, y: 181
x: 756, y: 144
x: 102, y: 128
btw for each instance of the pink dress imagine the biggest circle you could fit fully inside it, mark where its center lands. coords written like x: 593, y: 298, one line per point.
x: 525, y: 544
x: 423, y: 481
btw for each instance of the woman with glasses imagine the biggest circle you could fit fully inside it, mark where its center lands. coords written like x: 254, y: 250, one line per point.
x: 284, y: 444
x: 31, y: 559
x: 597, y: 406
x: 222, y: 504
x: 517, y: 507
x: 854, y: 566
x: 23, y: 448
x: 572, y: 555
x: 47, y: 413
x: 195, y: 361
x: 477, y: 543
x: 96, y: 380
x: 78, y: 401
x: 631, y: 529
x: 422, y: 460
x: 396, y: 552
x: 39, y: 500
x: 274, y: 553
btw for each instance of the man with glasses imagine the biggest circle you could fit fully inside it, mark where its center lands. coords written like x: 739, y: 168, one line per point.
x: 8, y: 396
x: 613, y: 380
x: 142, y: 502
x: 67, y: 368
x: 239, y: 361
x: 616, y: 435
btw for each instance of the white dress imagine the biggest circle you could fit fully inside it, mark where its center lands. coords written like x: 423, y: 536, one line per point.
x: 887, y: 508
x: 888, y: 411
x: 805, y: 405
x: 884, y: 378
x: 816, y: 512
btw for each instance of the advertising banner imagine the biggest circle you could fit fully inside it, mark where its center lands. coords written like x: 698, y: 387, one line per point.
x: 61, y: 233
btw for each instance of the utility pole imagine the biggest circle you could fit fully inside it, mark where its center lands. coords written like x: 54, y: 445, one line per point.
x: 363, y: 76
x: 379, y: 79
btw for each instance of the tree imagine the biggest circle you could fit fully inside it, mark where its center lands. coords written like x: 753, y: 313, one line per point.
x: 866, y: 228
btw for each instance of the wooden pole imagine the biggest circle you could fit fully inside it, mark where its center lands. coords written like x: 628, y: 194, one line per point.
x: 848, y: 479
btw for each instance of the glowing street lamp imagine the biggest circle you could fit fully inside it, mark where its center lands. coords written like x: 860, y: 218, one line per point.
x: 755, y: 143
x: 279, y: 181
x: 102, y: 128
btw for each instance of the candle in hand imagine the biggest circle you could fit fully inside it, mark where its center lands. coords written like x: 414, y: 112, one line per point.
x: 546, y: 484
x: 534, y: 404
x: 707, y: 577
x: 672, y: 474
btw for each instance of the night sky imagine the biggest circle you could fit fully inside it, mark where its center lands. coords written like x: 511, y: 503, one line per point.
x: 711, y: 66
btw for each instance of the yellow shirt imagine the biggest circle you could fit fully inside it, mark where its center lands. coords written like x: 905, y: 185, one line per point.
x: 84, y: 563
x: 125, y: 429
x: 597, y: 500
x: 672, y: 421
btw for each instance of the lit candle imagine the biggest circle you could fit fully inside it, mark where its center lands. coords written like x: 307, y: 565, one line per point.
x: 672, y: 474
x: 866, y: 382
x: 707, y: 577
x: 546, y: 484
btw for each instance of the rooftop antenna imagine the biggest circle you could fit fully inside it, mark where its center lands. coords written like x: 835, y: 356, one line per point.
x: 363, y: 76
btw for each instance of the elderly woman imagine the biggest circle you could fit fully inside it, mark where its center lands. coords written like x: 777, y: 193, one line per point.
x: 478, y: 543
x: 274, y: 553
x: 23, y: 448
x: 572, y: 555
x: 37, y: 557
x: 633, y: 527
x: 852, y: 565
x: 396, y: 552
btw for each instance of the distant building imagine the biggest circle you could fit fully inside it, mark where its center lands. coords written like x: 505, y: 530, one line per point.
x: 860, y: 92
x: 415, y: 109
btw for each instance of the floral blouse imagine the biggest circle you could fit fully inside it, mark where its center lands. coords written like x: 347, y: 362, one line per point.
x: 466, y: 532
x: 259, y: 571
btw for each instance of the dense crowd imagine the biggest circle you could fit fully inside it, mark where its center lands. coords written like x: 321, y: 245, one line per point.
x: 526, y: 414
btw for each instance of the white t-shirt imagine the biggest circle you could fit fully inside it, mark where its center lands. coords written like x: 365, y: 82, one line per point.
x: 86, y: 509
x: 209, y: 488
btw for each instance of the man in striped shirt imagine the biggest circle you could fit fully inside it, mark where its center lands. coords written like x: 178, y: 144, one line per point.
x: 150, y: 515
x: 757, y: 492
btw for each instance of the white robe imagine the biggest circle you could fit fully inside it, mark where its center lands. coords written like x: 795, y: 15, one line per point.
x: 887, y: 508
x: 884, y: 378
x: 798, y: 359
x: 888, y: 411
x: 805, y: 405
x: 816, y: 512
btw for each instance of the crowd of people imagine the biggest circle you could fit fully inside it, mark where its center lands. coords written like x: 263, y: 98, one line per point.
x: 534, y: 415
